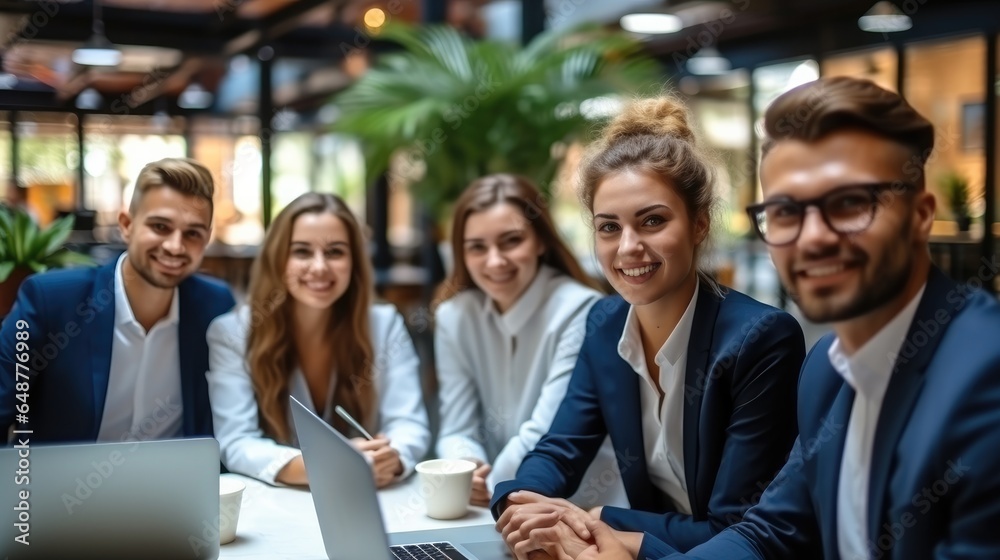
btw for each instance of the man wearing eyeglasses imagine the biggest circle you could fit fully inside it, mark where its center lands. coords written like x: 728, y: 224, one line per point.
x: 898, y: 455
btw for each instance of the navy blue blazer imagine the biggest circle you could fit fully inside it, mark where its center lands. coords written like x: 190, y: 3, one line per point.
x: 70, y: 316
x: 935, y: 477
x: 740, y: 384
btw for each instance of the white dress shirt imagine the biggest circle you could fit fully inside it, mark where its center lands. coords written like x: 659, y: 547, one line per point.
x: 868, y: 372
x: 244, y: 447
x: 143, y: 400
x: 502, y: 377
x: 663, y: 422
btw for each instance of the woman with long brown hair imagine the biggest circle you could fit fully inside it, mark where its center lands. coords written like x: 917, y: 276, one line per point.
x: 508, y: 333
x: 310, y: 330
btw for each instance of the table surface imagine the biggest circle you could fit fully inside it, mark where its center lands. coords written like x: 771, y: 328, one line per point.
x: 280, y: 522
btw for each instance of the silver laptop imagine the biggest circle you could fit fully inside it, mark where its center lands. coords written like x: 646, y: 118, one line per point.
x: 347, y: 507
x: 151, y: 499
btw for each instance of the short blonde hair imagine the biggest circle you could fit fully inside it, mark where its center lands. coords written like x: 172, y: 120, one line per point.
x: 181, y: 174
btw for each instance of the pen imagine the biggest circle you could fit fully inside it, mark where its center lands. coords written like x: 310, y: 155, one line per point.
x: 350, y: 420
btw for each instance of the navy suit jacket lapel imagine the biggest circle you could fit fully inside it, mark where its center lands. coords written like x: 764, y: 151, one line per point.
x: 829, y: 455
x: 696, y: 376
x: 187, y: 330
x: 101, y: 339
x: 904, y: 388
x: 628, y: 436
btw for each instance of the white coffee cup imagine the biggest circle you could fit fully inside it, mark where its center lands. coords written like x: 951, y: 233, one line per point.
x: 446, y: 485
x: 230, y: 502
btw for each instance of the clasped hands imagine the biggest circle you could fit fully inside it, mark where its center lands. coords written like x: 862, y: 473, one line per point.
x: 537, y: 527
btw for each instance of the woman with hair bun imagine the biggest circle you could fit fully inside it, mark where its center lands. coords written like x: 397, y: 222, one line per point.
x: 695, y: 383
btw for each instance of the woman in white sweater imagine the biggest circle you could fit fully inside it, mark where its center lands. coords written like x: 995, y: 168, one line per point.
x: 310, y: 330
x: 507, y: 335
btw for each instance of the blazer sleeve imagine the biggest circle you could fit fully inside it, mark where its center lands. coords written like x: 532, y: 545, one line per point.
x: 242, y: 443
x: 564, y: 355
x: 783, y: 525
x: 973, y: 468
x: 556, y: 466
x: 761, y: 431
x: 402, y: 415
x: 14, y: 359
x: 460, y: 404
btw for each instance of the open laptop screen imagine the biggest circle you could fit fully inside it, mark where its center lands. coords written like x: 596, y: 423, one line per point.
x: 151, y: 499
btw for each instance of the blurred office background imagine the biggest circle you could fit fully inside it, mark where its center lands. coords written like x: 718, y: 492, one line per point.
x: 249, y: 88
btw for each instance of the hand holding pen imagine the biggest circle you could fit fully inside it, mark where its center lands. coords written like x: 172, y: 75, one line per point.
x: 384, y: 459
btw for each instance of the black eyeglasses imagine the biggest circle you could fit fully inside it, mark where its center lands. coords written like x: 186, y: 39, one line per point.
x: 848, y: 209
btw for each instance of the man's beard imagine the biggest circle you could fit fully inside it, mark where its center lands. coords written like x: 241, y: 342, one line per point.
x: 872, y: 293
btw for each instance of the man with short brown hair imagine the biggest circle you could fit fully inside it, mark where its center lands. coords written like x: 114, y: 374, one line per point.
x: 118, y: 352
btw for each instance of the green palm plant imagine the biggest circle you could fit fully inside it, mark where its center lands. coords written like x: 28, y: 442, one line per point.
x: 457, y: 109
x: 23, y: 244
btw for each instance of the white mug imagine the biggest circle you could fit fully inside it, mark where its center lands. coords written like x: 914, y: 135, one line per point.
x: 446, y: 485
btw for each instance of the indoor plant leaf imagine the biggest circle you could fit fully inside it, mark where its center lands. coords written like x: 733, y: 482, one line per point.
x: 5, y: 269
x: 457, y: 109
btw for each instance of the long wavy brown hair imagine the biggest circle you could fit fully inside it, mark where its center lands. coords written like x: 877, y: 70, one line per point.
x: 521, y: 193
x: 270, y: 353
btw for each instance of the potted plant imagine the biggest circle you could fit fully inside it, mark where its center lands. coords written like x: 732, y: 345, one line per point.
x: 955, y: 188
x: 451, y: 109
x: 25, y: 248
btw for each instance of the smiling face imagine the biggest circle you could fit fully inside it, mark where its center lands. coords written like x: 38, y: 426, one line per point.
x: 645, y: 239
x: 166, y: 235
x: 836, y: 277
x: 318, y: 270
x: 501, y: 251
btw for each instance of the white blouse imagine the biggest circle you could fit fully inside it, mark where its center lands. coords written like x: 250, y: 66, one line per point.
x: 245, y: 449
x: 663, y: 421
x: 503, y: 376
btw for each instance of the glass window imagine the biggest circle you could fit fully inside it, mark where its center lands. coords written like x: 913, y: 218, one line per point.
x: 721, y: 107
x: 6, y: 173
x: 340, y: 170
x: 230, y: 149
x: 48, y: 156
x: 291, y: 162
x: 945, y: 82
x: 878, y: 65
x: 116, y: 148
x: 771, y: 81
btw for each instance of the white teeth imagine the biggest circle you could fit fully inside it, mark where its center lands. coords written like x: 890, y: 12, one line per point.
x: 501, y: 278
x: 823, y: 270
x: 319, y: 285
x: 637, y: 271
x: 170, y: 263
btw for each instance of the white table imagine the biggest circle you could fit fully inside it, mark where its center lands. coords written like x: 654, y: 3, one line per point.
x: 278, y: 523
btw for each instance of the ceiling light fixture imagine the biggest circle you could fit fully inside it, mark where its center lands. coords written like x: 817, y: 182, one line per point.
x: 195, y: 96
x: 98, y: 50
x: 708, y: 62
x: 374, y: 18
x: 7, y: 80
x: 89, y: 99
x: 884, y: 17
x: 650, y: 24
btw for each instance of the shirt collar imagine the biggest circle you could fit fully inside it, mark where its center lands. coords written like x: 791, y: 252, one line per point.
x: 868, y: 370
x: 123, y: 309
x: 677, y: 343
x: 515, y: 318
x: 630, y: 343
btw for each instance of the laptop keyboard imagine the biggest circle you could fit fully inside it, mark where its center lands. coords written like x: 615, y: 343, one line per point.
x: 427, y: 551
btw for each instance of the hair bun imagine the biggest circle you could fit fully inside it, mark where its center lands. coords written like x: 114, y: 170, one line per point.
x: 661, y: 116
